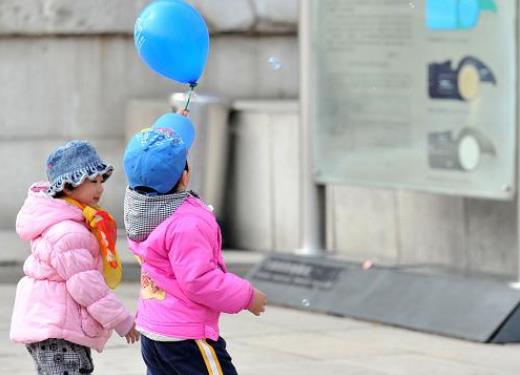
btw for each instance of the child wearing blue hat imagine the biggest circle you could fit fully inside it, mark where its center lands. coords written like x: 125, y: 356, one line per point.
x: 64, y: 305
x: 185, y: 285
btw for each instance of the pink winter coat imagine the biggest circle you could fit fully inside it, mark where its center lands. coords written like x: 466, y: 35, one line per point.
x: 184, y: 281
x: 63, y: 294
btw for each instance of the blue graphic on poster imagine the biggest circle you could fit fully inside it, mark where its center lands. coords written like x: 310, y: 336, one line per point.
x: 456, y: 14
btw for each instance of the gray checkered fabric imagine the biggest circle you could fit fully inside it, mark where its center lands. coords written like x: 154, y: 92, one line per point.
x: 61, y: 357
x: 144, y: 213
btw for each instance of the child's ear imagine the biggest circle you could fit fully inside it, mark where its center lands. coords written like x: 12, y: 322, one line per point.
x: 185, y: 178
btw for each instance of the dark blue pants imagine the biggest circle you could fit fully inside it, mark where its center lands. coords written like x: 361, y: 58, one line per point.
x: 187, y: 357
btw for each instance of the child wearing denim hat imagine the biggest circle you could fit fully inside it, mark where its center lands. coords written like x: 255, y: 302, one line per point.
x: 184, y: 281
x: 63, y: 304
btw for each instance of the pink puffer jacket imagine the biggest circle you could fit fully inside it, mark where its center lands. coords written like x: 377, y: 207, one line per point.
x: 185, y: 284
x: 63, y: 294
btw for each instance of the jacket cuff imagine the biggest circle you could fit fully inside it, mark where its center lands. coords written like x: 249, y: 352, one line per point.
x: 124, y: 327
x: 251, y: 297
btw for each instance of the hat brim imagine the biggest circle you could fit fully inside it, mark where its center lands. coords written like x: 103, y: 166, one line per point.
x: 76, y: 178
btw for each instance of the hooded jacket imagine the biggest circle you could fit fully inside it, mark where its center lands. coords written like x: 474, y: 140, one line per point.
x: 184, y: 280
x: 63, y: 294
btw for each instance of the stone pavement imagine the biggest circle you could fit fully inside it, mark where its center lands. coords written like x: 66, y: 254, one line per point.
x: 285, y: 341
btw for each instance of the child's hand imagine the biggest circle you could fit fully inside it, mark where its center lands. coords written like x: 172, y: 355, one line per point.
x: 259, y: 301
x: 132, y: 336
x: 183, y: 112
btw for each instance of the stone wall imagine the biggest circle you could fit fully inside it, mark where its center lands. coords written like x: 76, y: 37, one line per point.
x: 103, y: 17
x: 69, y: 69
x: 407, y: 228
x: 398, y: 228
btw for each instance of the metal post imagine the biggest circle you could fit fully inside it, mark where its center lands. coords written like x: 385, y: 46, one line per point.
x: 312, y: 195
x: 517, y: 164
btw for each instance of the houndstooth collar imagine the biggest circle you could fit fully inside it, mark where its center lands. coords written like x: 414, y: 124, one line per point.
x: 144, y: 213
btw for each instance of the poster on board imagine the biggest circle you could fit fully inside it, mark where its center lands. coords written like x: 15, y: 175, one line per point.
x: 415, y: 94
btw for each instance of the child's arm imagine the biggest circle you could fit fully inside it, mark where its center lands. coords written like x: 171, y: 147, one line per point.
x: 73, y: 261
x: 199, y: 275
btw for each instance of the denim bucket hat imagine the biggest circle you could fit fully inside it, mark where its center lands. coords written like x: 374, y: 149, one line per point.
x: 155, y: 158
x: 73, y: 163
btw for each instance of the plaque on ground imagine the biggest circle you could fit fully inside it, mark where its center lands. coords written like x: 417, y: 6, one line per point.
x: 470, y: 308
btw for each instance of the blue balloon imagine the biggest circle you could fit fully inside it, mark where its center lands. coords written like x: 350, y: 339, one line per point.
x: 173, y: 40
x: 181, y: 125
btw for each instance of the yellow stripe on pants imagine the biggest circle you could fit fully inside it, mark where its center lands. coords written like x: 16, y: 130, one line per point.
x: 210, y: 357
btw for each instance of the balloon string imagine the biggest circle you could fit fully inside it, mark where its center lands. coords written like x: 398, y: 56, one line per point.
x: 192, y: 86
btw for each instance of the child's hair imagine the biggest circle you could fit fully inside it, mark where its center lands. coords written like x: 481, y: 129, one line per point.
x: 61, y: 194
x: 68, y: 166
x: 176, y: 187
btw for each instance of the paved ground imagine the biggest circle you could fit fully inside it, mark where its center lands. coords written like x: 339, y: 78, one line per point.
x: 282, y: 341
x: 287, y: 342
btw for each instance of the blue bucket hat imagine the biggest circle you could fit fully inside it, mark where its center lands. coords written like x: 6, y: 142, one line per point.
x: 155, y: 158
x: 72, y: 164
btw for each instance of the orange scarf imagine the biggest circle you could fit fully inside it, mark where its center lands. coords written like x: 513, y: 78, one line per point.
x: 104, y: 228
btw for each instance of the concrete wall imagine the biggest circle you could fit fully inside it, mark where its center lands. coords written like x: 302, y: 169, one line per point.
x: 94, y: 17
x: 390, y: 227
x: 265, y: 177
x: 408, y: 228
x: 69, y: 70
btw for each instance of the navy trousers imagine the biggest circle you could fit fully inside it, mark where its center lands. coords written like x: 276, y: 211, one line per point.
x: 187, y: 357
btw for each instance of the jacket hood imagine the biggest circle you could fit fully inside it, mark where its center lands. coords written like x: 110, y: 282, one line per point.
x: 40, y: 211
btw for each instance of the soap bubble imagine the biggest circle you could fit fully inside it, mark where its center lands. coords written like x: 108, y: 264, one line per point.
x: 274, y: 62
x: 367, y: 264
